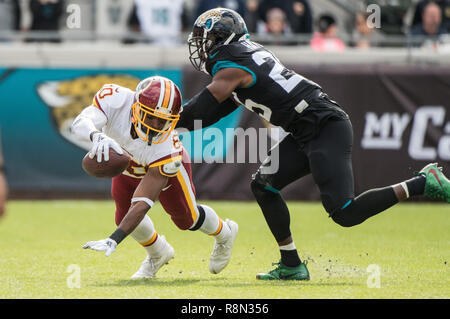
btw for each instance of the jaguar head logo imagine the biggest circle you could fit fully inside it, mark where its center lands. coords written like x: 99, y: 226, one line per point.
x: 67, y: 98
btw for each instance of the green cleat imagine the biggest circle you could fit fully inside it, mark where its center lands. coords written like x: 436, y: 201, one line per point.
x: 437, y: 186
x: 283, y: 272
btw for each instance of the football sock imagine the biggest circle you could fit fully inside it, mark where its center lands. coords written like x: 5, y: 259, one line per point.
x: 213, y: 225
x: 155, y: 248
x: 275, y: 212
x: 289, y: 255
x: 146, y: 235
x: 415, y: 185
x: 375, y: 201
x: 144, y: 231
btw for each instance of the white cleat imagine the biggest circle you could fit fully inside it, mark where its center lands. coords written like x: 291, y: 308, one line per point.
x: 221, y: 254
x: 153, y: 263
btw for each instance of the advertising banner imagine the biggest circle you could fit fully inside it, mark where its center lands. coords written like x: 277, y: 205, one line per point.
x: 400, y: 116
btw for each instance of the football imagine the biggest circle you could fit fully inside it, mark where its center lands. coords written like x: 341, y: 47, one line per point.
x: 106, y: 169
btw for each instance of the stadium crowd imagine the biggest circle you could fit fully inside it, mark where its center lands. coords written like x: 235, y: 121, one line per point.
x: 325, y: 25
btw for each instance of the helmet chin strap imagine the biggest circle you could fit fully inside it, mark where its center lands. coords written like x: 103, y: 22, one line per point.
x: 203, y: 68
x: 151, y: 135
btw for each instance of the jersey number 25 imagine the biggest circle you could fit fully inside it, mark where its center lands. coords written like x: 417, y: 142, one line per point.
x: 283, y: 77
x: 286, y: 79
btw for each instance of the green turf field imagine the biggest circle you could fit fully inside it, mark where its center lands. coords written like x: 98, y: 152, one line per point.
x: 40, y: 240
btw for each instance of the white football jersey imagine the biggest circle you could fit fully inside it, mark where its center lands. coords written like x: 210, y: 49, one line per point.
x: 115, y: 102
x: 160, y: 19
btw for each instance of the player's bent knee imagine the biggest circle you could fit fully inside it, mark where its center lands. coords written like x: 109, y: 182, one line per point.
x: 257, y: 188
x: 342, y: 221
x: 183, y: 224
x: 261, y: 187
x: 196, y: 224
x: 346, y: 217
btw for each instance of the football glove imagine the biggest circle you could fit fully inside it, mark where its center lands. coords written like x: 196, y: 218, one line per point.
x: 101, y: 145
x: 108, y: 245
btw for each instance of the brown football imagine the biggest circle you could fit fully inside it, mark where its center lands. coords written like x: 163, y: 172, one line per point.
x: 114, y: 166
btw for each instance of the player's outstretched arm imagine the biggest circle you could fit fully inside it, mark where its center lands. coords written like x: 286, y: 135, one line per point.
x: 144, y: 196
x: 196, y: 115
x: 215, y: 101
x: 90, y: 120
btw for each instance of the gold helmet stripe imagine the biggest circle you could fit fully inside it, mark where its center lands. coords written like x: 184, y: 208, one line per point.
x: 172, y: 95
x: 167, y: 94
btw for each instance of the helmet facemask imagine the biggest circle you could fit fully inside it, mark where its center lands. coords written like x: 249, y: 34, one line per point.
x: 212, y: 29
x: 199, y: 47
x: 156, y: 109
x: 150, y: 125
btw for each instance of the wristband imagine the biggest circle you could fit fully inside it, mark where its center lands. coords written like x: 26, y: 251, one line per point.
x: 146, y: 200
x: 118, y: 235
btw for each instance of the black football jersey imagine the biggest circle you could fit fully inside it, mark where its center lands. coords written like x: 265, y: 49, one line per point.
x: 277, y: 94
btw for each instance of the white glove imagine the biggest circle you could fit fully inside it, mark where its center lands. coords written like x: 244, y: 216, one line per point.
x: 101, y: 145
x: 108, y: 245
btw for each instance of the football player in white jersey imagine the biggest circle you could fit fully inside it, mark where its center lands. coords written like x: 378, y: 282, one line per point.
x: 142, y: 123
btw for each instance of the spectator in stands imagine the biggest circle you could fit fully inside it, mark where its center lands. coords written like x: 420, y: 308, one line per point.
x: 298, y: 13
x: 363, y: 35
x: 160, y: 20
x: 3, y: 185
x: 9, y: 15
x: 275, y: 23
x: 251, y: 15
x: 237, y: 5
x: 445, y: 12
x: 133, y: 27
x: 431, y: 26
x: 326, y: 38
x: 301, y: 19
x: 46, y: 16
x: 112, y: 18
x: 187, y: 17
x: 276, y: 26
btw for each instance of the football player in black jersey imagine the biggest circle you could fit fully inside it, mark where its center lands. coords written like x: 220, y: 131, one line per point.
x: 320, y: 139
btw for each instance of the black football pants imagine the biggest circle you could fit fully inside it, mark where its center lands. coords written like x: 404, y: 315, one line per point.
x: 328, y: 157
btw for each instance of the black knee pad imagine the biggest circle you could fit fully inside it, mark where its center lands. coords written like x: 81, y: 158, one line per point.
x: 256, y: 186
x: 261, y: 186
x: 201, y: 218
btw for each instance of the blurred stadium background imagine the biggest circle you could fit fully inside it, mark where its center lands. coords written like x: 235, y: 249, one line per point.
x: 386, y: 62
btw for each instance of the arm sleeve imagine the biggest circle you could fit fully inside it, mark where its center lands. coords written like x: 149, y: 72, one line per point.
x: 89, y: 120
x: 205, y: 110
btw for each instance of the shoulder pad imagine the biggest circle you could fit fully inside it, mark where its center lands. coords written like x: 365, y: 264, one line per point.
x: 242, y: 48
x: 233, y: 52
x: 111, y: 96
